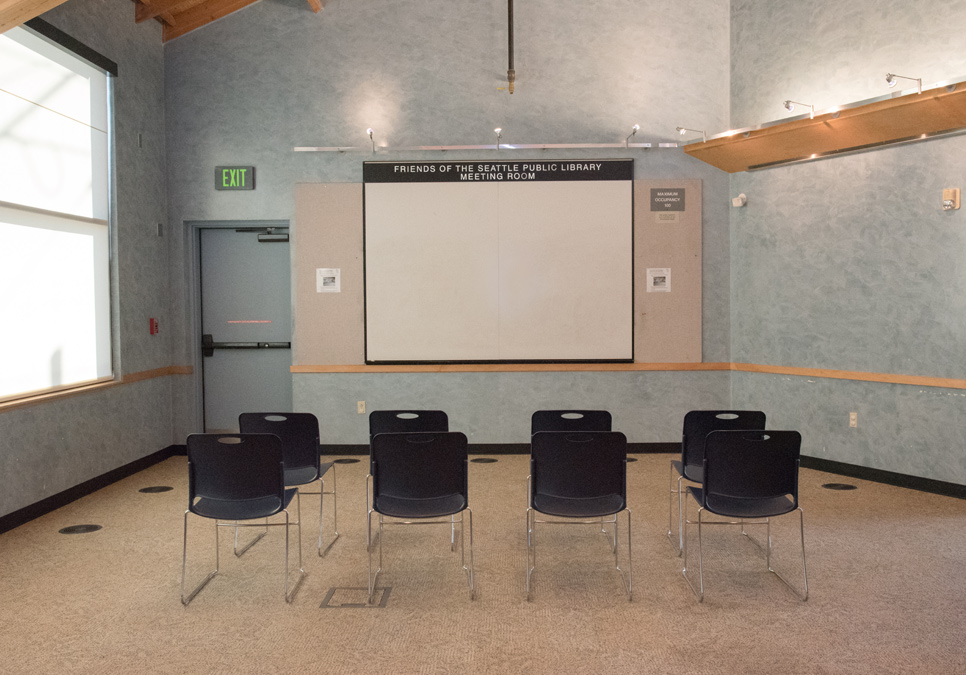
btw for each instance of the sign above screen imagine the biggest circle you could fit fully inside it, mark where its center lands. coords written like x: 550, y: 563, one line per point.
x: 491, y: 261
x: 469, y: 172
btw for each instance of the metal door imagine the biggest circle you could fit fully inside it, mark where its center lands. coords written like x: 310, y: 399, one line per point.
x: 246, y: 318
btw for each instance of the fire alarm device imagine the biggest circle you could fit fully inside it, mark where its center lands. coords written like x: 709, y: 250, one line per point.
x: 153, y: 326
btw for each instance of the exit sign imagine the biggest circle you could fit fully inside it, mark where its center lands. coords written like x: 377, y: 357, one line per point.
x: 234, y: 178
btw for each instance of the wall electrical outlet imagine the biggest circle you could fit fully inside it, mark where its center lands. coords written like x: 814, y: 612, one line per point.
x: 853, y: 419
x: 361, y: 407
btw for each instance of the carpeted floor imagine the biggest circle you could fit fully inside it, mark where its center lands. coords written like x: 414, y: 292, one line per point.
x: 885, y: 574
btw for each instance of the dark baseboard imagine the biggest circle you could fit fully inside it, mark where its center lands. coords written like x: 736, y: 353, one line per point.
x: 887, y: 477
x: 45, y: 506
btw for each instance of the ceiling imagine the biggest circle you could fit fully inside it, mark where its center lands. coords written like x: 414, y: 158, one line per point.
x: 177, y: 17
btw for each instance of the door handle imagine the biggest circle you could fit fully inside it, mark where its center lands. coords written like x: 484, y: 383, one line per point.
x: 208, y: 345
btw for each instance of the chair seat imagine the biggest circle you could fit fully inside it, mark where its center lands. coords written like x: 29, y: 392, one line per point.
x: 303, y: 475
x: 735, y: 507
x: 241, y: 509
x: 693, y: 472
x: 401, y: 507
x: 569, y: 507
x: 300, y: 475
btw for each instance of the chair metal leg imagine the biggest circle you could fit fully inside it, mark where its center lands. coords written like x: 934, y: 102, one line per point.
x: 184, y: 562
x: 670, y: 510
x: 469, y: 570
x: 698, y: 591
x: 335, y: 512
x: 373, y: 577
x: 290, y: 595
x: 531, y: 552
x: 803, y: 595
x: 258, y: 537
x: 626, y: 579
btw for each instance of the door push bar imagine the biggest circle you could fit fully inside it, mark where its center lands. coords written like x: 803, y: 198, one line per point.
x: 208, y: 345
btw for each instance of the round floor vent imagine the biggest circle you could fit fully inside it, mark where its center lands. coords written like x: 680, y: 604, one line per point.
x: 80, y: 529
x: 839, y: 486
x: 156, y: 488
x: 484, y: 460
x: 346, y: 460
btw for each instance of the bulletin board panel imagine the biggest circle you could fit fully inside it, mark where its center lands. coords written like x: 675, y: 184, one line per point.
x: 328, y: 233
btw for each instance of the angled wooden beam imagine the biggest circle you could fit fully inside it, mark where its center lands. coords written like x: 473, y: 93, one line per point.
x: 202, y: 14
x: 15, y: 12
x: 165, y: 9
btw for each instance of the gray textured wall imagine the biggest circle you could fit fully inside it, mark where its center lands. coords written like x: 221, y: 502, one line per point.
x: 249, y: 88
x: 50, y: 447
x: 849, y: 263
x: 829, y: 53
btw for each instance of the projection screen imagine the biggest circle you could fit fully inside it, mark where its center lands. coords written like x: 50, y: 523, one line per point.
x: 503, y: 261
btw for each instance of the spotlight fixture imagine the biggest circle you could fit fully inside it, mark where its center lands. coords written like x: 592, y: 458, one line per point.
x: 891, y: 80
x: 684, y: 130
x: 634, y: 130
x: 499, y: 134
x: 369, y: 133
x: 790, y: 105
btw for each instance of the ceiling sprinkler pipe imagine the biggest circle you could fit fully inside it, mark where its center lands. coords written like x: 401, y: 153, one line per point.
x: 511, y: 74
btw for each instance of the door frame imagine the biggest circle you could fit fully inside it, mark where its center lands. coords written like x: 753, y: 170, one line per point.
x: 193, y: 230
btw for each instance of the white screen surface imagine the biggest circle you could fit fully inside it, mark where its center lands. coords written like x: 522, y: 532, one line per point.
x: 499, y: 270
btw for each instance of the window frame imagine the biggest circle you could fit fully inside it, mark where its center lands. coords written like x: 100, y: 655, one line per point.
x: 103, y: 204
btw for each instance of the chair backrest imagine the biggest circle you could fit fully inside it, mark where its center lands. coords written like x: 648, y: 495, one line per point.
x: 570, y: 420
x: 396, y: 421
x: 699, y: 423
x: 419, y: 465
x: 231, y: 467
x: 299, y: 433
x: 579, y: 464
x: 751, y: 464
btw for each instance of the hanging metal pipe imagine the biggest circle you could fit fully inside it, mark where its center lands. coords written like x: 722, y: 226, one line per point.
x: 511, y: 74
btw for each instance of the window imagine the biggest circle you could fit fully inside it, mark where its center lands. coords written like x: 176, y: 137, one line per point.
x: 55, y: 308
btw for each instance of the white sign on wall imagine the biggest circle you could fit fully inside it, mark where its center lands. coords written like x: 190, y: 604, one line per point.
x: 328, y: 280
x: 658, y: 279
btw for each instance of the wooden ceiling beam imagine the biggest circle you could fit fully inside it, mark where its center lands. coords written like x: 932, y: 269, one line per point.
x: 15, y: 12
x: 145, y: 10
x: 202, y: 14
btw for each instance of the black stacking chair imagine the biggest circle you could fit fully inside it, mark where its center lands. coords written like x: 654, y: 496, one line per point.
x: 697, y: 425
x: 299, y: 433
x: 400, y: 421
x: 579, y: 477
x: 238, y: 477
x: 417, y: 478
x: 752, y: 476
x: 570, y: 420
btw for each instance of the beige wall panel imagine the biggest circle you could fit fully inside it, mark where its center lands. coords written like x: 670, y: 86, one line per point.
x: 329, y: 327
x: 667, y: 326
